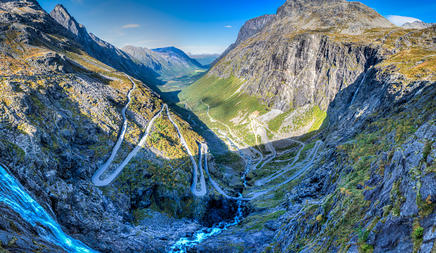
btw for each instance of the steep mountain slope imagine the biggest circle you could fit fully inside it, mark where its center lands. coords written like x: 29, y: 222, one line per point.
x: 61, y: 112
x: 169, y: 62
x: 102, y: 50
x: 296, y: 65
x: 336, y: 73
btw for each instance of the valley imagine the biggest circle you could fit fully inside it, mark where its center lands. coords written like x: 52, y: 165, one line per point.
x: 313, y: 132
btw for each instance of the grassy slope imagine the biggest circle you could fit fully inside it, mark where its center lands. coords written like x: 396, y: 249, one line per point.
x: 225, y: 102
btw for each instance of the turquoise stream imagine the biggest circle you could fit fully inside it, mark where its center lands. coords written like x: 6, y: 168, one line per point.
x: 185, y: 243
x: 13, y: 195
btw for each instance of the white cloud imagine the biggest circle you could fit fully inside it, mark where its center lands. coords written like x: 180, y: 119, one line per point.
x: 400, y: 20
x: 128, y: 26
x: 228, y: 26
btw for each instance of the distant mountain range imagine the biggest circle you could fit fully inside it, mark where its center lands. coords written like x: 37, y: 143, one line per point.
x: 204, y: 59
x: 168, y: 62
x: 417, y: 25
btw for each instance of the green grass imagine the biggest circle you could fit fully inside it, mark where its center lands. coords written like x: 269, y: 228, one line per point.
x: 314, y: 116
x: 220, y: 94
x: 277, y: 122
x: 319, y: 116
x: 417, y: 235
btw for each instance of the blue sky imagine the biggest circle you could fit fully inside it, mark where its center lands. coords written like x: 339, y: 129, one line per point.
x: 197, y: 26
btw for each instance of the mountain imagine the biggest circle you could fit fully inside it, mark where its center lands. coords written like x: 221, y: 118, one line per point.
x: 337, y: 73
x: 169, y: 62
x: 204, y: 59
x: 417, y: 25
x: 297, y: 60
x: 102, y: 50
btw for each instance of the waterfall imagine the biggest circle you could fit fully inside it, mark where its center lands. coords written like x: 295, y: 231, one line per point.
x: 14, y: 196
x: 358, y: 88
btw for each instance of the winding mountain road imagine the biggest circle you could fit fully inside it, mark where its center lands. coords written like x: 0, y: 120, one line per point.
x: 98, y: 181
x: 254, y: 195
x: 194, y: 189
x: 96, y: 178
x: 204, y: 150
x: 289, y: 167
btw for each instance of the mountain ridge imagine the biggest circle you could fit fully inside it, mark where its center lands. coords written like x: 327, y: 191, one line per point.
x: 103, y: 50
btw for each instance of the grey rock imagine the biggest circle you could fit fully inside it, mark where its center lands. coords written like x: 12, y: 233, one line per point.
x: 248, y: 30
x: 417, y: 25
x: 428, y: 187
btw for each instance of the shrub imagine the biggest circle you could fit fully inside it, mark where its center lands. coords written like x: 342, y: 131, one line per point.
x: 418, y: 233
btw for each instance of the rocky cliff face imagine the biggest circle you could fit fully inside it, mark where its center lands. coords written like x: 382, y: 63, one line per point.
x: 102, y: 50
x: 168, y: 62
x: 341, y: 16
x: 301, y: 60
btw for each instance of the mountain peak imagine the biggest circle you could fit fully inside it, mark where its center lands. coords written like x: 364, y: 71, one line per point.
x: 341, y: 15
x: 60, y: 7
x: 63, y: 17
x: 253, y: 26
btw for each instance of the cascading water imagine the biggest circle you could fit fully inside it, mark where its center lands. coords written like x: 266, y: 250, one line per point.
x: 13, y: 195
x: 184, y: 243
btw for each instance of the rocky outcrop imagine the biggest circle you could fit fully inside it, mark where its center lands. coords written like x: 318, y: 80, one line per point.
x: 302, y: 58
x: 285, y: 58
x: 249, y: 29
x: 295, y: 71
x: 338, y: 15
x: 253, y: 26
